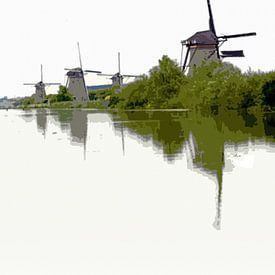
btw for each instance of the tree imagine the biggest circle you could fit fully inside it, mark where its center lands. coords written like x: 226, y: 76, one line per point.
x: 63, y: 94
x: 164, y: 82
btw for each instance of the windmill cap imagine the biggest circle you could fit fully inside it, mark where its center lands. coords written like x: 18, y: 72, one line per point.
x: 203, y: 37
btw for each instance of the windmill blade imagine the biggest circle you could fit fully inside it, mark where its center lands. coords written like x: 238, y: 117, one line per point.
x: 211, y: 19
x: 105, y: 74
x: 237, y: 35
x: 79, y: 55
x: 91, y: 71
x: 32, y: 84
x: 185, y: 59
x: 181, y: 54
x: 232, y: 54
x: 119, y: 62
x: 131, y: 75
x: 41, y: 68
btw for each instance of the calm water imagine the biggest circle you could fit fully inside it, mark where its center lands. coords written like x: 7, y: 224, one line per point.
x: 86, y: 192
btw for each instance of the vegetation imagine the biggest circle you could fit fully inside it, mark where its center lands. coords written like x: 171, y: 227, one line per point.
x: 211, y: 87
x: 27, y: 101
x: 64, y: 95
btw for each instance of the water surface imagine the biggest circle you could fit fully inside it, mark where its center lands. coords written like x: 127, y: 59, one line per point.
x: 88, y: 192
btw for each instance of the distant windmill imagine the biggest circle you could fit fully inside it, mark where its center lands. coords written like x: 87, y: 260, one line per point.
x: 40, y: 92
x: 204, y: 46
x: 117, y: 78
x: 76, y: 82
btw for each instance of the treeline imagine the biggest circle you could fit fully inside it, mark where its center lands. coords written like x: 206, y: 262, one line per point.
x: 213, y: 86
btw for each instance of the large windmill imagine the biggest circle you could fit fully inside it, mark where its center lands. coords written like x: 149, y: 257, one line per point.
x: 117, y: 78
x: 204, y: 46
x: 40, y: 91
x: 76, y: 81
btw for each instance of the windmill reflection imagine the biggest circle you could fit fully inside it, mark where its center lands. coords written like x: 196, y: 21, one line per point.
x: 79, y: 128
x: 75, y: 122
x: 41, y: 121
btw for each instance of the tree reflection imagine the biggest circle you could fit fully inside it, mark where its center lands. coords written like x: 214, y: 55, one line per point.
x: 203, y: 135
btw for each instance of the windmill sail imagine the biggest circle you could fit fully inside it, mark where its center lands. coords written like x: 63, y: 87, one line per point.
x: 79, y: 55
x: 119, y: 62
x: 211, y: 19
x: 91, y: 71
x: 41, y: 72
x: 232, y: 54
x: 237, y: 35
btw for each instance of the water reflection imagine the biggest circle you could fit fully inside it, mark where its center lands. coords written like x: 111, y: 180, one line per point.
x: 205, y: 139
x: 41, y: 121
x: 73, y: 122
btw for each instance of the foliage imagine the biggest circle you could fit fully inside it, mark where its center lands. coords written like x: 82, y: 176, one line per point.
x: 164, y: 82
x: 132, y: 96
x: 28, y: 101
x: 52, y: 98
x: 99, y: 94
x: 159, y: 90
x: 63, y: 94
x: 215, y: 86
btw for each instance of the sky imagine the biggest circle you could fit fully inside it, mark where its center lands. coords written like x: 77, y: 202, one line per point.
x: 38, y: 32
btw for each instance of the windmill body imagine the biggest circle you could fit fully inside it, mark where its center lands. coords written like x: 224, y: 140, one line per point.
x: 76, y: 85
x: 203, y: 46
x: 117, y: 79
x: 76, y: 82
x: 40, y: 92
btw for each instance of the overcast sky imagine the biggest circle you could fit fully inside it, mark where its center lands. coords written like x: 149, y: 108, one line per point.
x: 35, y: 32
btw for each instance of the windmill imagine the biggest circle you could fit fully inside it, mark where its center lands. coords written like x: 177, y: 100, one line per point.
x: 76, y: 81
x: 204, y: 46
x: 117, y: 78
x: 40, y: 91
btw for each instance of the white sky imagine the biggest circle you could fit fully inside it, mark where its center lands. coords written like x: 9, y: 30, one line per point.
x: 36, y: 31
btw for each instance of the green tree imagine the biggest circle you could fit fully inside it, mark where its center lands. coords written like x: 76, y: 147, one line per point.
x: 63, y: 94
x: 164, y: 82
